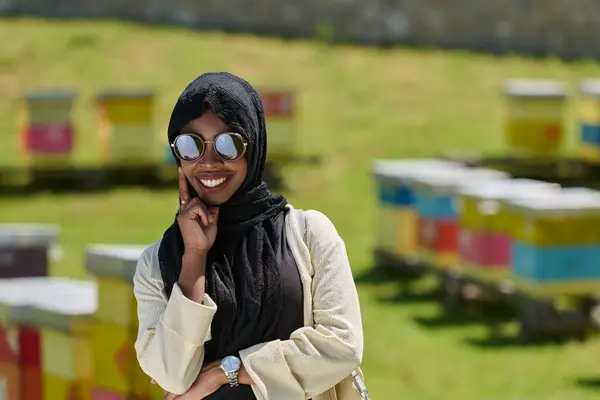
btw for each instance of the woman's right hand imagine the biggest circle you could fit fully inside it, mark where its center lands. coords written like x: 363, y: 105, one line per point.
x: 198, y: 224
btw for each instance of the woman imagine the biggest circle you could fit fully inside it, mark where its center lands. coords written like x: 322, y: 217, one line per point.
x: 243, y: 297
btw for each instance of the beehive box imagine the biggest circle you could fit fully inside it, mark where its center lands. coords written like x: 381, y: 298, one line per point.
x: 397, y: 222
x: 24, y: 249
x: 67, y: 362
x: 484, y: 242
x: 117, y: 372
x: 47, y: 136
x: 66, y: 344
x: 280, y: 118
x: 126, y: 127
x: 589, y: 119
x: 556, y: 244
x: 436, y: 204
x: 20, y: 342
x: 534, y: 117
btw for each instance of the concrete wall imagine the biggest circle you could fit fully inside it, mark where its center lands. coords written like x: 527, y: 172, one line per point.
x: 567, y: 28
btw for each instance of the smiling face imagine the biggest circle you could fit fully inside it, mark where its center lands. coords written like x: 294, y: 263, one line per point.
x: 214, y: 179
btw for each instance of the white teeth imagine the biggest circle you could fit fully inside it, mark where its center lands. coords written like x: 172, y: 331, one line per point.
x: 212, y: 182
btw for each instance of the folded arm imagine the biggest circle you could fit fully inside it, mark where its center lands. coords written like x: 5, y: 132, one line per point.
x: 172, y: 332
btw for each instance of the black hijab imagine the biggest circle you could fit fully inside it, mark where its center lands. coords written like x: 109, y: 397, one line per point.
x: 242, y: 276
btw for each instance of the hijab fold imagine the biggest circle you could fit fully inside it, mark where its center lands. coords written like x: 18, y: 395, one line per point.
x: 242, y: 275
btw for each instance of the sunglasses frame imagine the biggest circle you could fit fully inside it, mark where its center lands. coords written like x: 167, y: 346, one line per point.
x: 204, y: 142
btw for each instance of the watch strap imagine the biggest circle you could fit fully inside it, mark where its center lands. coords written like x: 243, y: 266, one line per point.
x: 232, y: 377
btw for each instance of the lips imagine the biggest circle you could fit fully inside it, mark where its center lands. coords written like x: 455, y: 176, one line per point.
x: 213, y: 175
x: 213, y: 181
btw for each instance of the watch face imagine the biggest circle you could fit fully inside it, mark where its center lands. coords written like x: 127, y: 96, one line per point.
x: 230, y: 364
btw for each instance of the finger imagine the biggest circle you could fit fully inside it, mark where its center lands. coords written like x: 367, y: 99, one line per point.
x: 197, y: 210
x: 213, y: 212
x: 184, y: 193
x: 169, y: 396
x: 153, y: 382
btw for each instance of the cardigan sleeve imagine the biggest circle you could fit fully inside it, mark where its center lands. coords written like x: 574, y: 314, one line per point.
x: 171, y: 332
x: 314, y: 359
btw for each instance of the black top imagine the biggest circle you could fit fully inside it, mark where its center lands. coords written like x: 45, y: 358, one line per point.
x: 289, y: 320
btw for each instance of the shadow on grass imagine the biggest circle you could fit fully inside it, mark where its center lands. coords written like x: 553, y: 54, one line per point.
x: 408, y: 288
x: 496, y: 340
x: 465, y: 315
x: 403, y: 295
x: 373, y: 276
x: 447, y: 320
x: 589, y: 383
x: 504, y: 342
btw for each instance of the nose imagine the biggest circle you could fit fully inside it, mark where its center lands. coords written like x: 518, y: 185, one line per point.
x: 210, y: 157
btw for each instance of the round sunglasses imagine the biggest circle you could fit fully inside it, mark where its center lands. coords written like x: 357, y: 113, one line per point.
x: 229, y: 146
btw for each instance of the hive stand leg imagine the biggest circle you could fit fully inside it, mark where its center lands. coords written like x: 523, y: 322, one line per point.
x: 584, y: 318
x: 452, y: 299
x: 383, y: 262
x: 534, y: 316
x: 594, y: 312
x: 541, y: 320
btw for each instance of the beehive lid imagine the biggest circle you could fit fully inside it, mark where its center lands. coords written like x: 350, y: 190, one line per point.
x: 590, y: 87
x: 50, y: 94
x: 404, y: 170
x: 120, y: 93
x: 116, y: 261
x: 68, y: 311
x: 17, y: 295
x: 535, y: 88
x: 450, y: 181
x: 581, y: 191
x: 506, y: 188
x: 557, y: 203
x: 27, y: 235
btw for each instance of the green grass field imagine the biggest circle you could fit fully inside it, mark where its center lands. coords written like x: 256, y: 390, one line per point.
x: 355, y: 105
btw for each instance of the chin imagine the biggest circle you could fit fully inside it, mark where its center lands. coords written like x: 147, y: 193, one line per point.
x: 214, y: 200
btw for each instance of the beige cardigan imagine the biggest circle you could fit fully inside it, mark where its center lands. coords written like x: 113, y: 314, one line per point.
x: 172, y: 332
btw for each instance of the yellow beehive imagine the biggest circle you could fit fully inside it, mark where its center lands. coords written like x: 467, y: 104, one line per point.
x: 589, y: 119
x: 64, y: 323
x: 570, y: 217
x: 127, y: 126
x: 534, y: 117
x: 556, y: 245
x: 115, y: 326
x: 480, y: 204
x: 484, y: 241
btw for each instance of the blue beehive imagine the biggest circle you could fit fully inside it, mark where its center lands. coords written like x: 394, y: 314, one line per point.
x: 556, y: 247
x: 397, y: 218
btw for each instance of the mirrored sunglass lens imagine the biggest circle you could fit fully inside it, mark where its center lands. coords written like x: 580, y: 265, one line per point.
x: 230, y: 147
x: 188, y: 147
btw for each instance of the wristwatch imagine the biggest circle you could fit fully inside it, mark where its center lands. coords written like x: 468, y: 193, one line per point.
x: 231, y: 366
